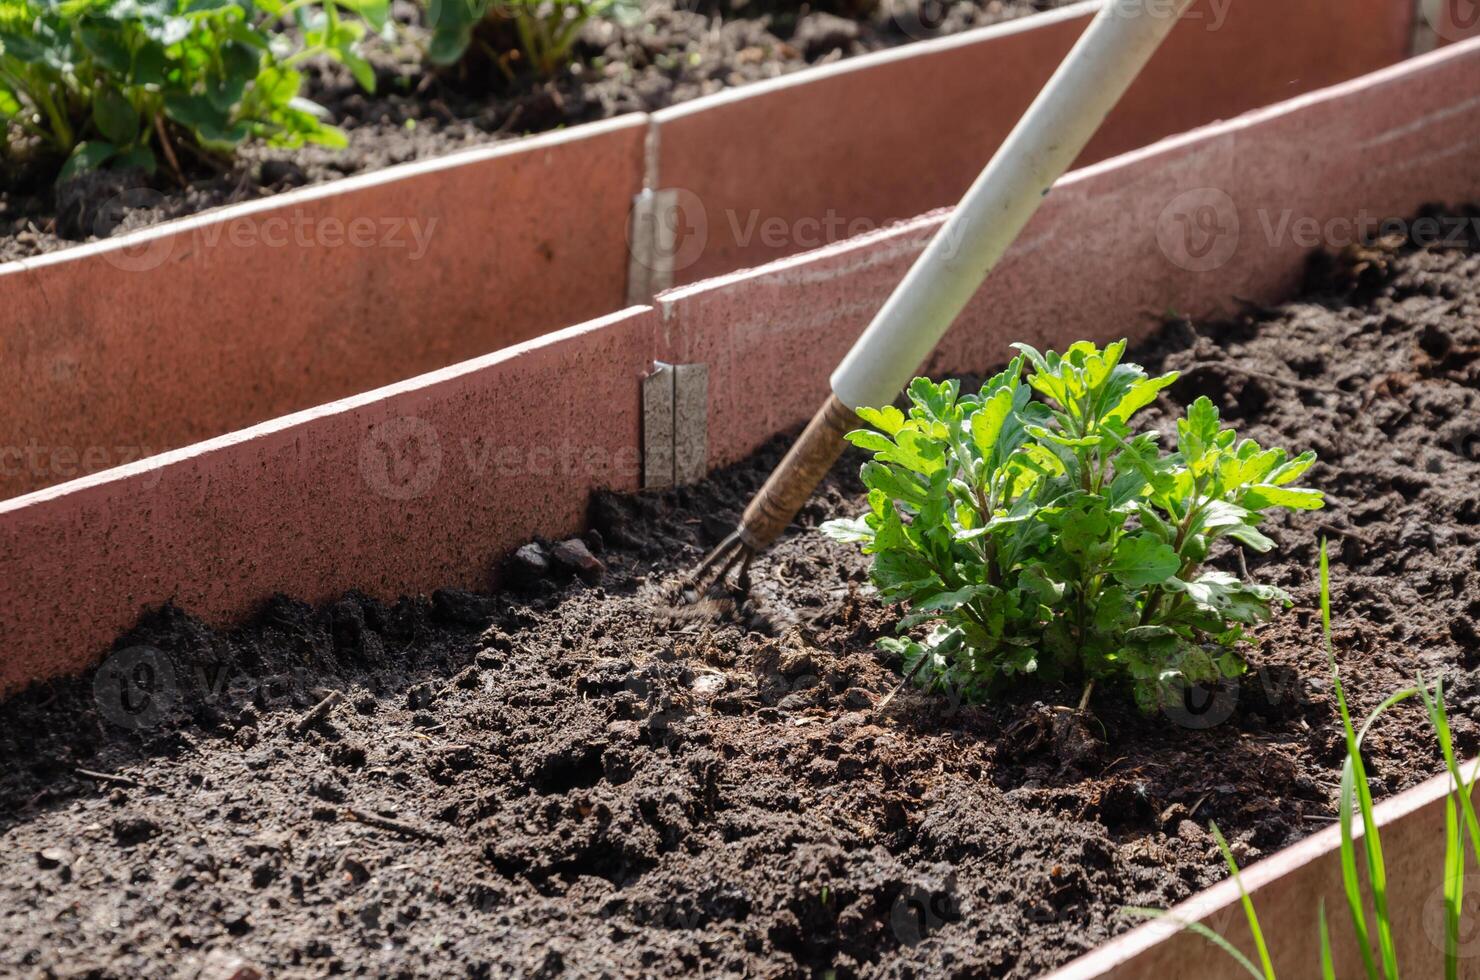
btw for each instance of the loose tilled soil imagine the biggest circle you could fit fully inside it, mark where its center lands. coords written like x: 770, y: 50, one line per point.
x: 562, y: 778
x: 681, y: 49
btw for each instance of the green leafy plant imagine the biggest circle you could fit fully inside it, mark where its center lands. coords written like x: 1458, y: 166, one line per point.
x: 1045, y: 536
x: 1356, y: 799
x: 114, y: 82
x: 546, y: 29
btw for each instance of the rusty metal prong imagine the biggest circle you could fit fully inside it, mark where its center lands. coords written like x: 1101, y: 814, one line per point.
x: 725, y: 556
x: 720, y: 551
x: 742, y: 581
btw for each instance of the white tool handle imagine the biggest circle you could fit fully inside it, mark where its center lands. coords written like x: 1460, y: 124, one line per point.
x: 1045, y: 143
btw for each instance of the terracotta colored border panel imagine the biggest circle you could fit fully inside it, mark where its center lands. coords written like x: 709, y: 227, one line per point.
x: 776, y: 168
x: 113, y: 351
x: 418, y: 485
x: 1287, y: 889
x: 1193, y: 224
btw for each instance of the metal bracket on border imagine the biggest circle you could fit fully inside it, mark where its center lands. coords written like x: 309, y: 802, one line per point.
x: 650, y: 244
x: 675, y: 424
x: 1425, y: 38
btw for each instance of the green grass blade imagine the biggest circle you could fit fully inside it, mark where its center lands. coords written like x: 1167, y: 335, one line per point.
x: 1197, y: 928
x: 1440, y: 720
x: 1349, y: 880
x: 1354, y: 785
x: 1248, y: 904
x: 1392, y: 701
x: 1351, y: 770
x: 1454, y: 887
x: 1328, y: 965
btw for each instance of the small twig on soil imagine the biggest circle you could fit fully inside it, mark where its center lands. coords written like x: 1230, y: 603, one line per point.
x: 399, y: 826
x: 1089, y: 689
x: 1342, y: 532
x: 1196, y: 806
x: 169, y: 150
x: 108, y: 777
x: 900, y: 686
x: 317, y: 713
x: 1271, y: 378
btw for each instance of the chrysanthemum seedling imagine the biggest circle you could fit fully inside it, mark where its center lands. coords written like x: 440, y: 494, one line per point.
x: 1045, y: 536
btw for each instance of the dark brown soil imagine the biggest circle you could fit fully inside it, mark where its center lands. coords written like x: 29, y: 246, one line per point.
x: 682, y: 49
x: 559, y: 779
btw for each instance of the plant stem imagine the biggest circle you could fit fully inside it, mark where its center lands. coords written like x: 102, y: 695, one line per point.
x: 169, y: 149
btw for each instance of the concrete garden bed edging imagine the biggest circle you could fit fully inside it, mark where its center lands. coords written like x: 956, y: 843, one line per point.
x: 155, y: 340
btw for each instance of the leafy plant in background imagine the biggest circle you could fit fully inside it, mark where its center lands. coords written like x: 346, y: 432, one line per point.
x: 546, y: 29
x: 115, y: 82
x: 1045, y: 536
x: 1356, y: 798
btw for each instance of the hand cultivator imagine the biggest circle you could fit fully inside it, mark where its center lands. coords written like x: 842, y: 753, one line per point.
x: 1044, y: 144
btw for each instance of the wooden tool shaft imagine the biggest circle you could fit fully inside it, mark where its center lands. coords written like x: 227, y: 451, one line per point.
x: 791, y: 483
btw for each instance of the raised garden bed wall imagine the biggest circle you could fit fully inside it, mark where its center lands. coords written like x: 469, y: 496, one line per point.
x: 426, y: 483
x: 777, y: 168
x: 129, y: 347
x: 1288, y: 888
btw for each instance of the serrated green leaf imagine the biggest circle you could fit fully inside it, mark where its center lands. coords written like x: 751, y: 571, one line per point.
x: 988, y: 422
x: 1252, y: 537
x: 1141, y: 394
x: 849, y: 530
x: 1197, y: 431
x: 1293, y: 470
x: 1264, y: 495
x: 887, y: 419
x: 1143, y: 559
x: 868, y: 439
